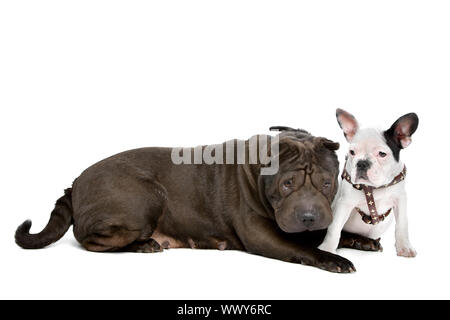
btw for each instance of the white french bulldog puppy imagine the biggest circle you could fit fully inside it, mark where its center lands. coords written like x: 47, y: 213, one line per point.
x: 373, y: 187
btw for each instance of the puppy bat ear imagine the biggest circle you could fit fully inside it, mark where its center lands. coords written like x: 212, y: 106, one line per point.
x: 348, y: 123
x: 401, y: 131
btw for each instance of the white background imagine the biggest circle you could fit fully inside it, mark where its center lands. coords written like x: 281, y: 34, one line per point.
x: 82, y: 80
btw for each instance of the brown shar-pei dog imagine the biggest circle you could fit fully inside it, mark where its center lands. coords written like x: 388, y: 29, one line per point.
x: 140, y: 201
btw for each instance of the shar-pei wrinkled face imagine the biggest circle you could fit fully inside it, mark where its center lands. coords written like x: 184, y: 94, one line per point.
x: 306, y: 183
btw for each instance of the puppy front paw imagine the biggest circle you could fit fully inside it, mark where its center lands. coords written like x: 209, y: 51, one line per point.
x: 405, y: 250
x: 327, y: 247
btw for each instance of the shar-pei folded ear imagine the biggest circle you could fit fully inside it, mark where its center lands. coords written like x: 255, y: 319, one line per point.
x: 291, y: 148
x: 327, y: 143
x: 280, y: 148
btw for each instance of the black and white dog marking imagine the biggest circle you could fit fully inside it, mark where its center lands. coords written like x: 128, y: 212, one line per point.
x: 373, y: 160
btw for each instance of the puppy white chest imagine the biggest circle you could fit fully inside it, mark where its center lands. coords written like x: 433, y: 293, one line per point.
x: 384, y: 201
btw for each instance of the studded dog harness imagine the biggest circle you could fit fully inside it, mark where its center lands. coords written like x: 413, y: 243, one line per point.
x: 373, y: 217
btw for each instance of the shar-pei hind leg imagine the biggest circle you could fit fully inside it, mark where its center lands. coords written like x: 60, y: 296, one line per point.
x: 121, y: 222
x: 148, y: 246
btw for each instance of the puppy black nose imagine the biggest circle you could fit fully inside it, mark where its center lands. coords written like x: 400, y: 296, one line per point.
x: 363, y: 165
x: 308, y: 219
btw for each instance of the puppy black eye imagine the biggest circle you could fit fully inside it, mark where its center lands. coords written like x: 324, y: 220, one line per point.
x: 352, y: 152
x: 382, y: 154
x: 288, y: 183
x: 326, y: 185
